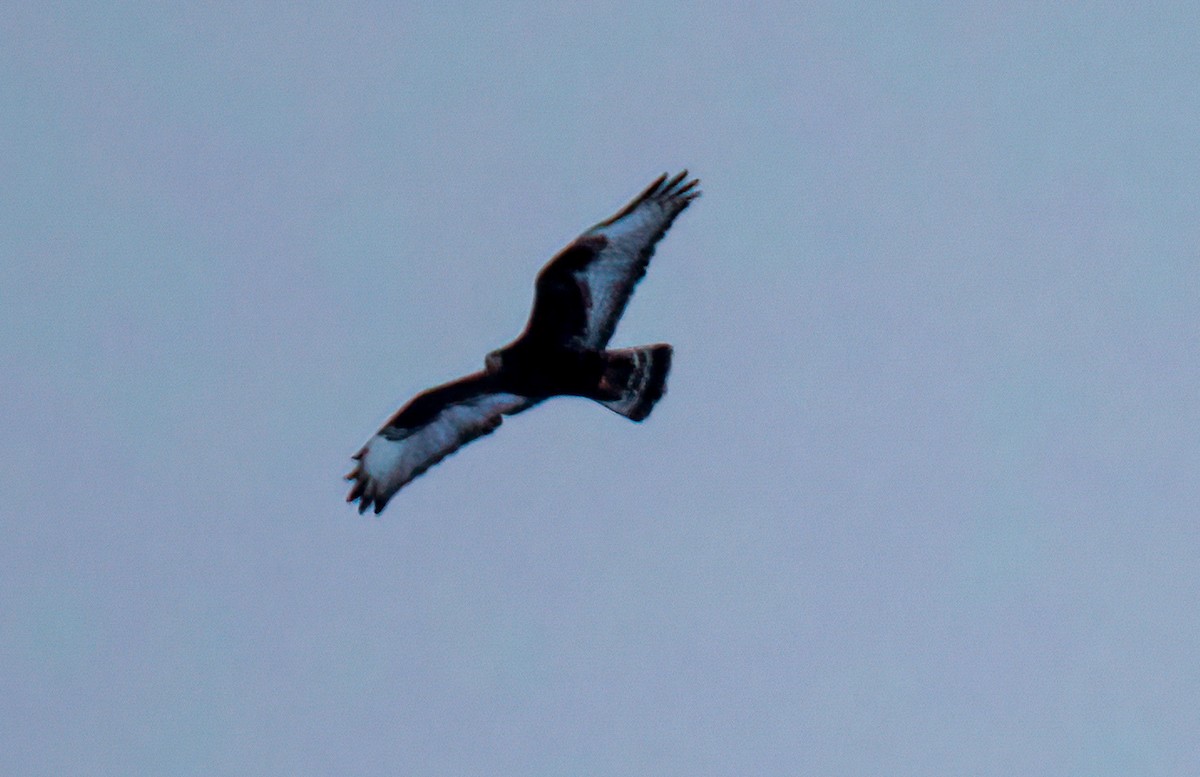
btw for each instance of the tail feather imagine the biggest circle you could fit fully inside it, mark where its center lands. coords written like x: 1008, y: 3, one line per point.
x: 638, y: 378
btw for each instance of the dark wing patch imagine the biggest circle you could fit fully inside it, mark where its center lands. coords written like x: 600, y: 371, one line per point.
x: 583, y: 291
x: 427, y: 430
x: 561, y: 298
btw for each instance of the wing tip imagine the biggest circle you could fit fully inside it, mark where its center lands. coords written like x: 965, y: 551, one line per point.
x: 368, y: 503
x: 680, y: 187
x: 679, y: 191
x: 671, y: 191
x: 361, y: 491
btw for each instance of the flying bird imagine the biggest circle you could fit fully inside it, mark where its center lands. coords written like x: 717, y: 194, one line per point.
x: 578, y: 298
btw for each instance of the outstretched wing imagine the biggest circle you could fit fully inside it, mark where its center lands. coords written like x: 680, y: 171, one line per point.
x: 425, y: 431
x: 582, y: 292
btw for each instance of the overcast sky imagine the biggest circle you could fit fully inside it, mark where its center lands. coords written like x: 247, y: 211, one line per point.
x: 922, y: 498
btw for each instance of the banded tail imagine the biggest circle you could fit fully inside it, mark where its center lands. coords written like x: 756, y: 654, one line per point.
x: 638, y: 376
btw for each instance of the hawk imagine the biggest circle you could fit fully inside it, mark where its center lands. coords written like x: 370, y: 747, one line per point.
x: 579, y: 296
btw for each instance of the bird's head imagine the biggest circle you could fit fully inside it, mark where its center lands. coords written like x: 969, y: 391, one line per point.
x: 493, y: 361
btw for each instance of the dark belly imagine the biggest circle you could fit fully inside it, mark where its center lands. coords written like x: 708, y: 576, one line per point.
x: 546, y: 371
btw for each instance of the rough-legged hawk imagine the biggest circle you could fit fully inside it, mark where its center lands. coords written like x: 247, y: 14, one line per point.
x: 579, y: 297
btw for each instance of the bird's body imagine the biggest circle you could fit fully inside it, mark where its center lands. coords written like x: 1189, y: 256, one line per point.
x: 579, y: 298
x: 536, y: 369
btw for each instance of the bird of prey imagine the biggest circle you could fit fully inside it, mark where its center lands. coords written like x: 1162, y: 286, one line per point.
x: 578, y: 298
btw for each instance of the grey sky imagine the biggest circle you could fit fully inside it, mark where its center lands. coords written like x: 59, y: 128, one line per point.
x: 922, y: 497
